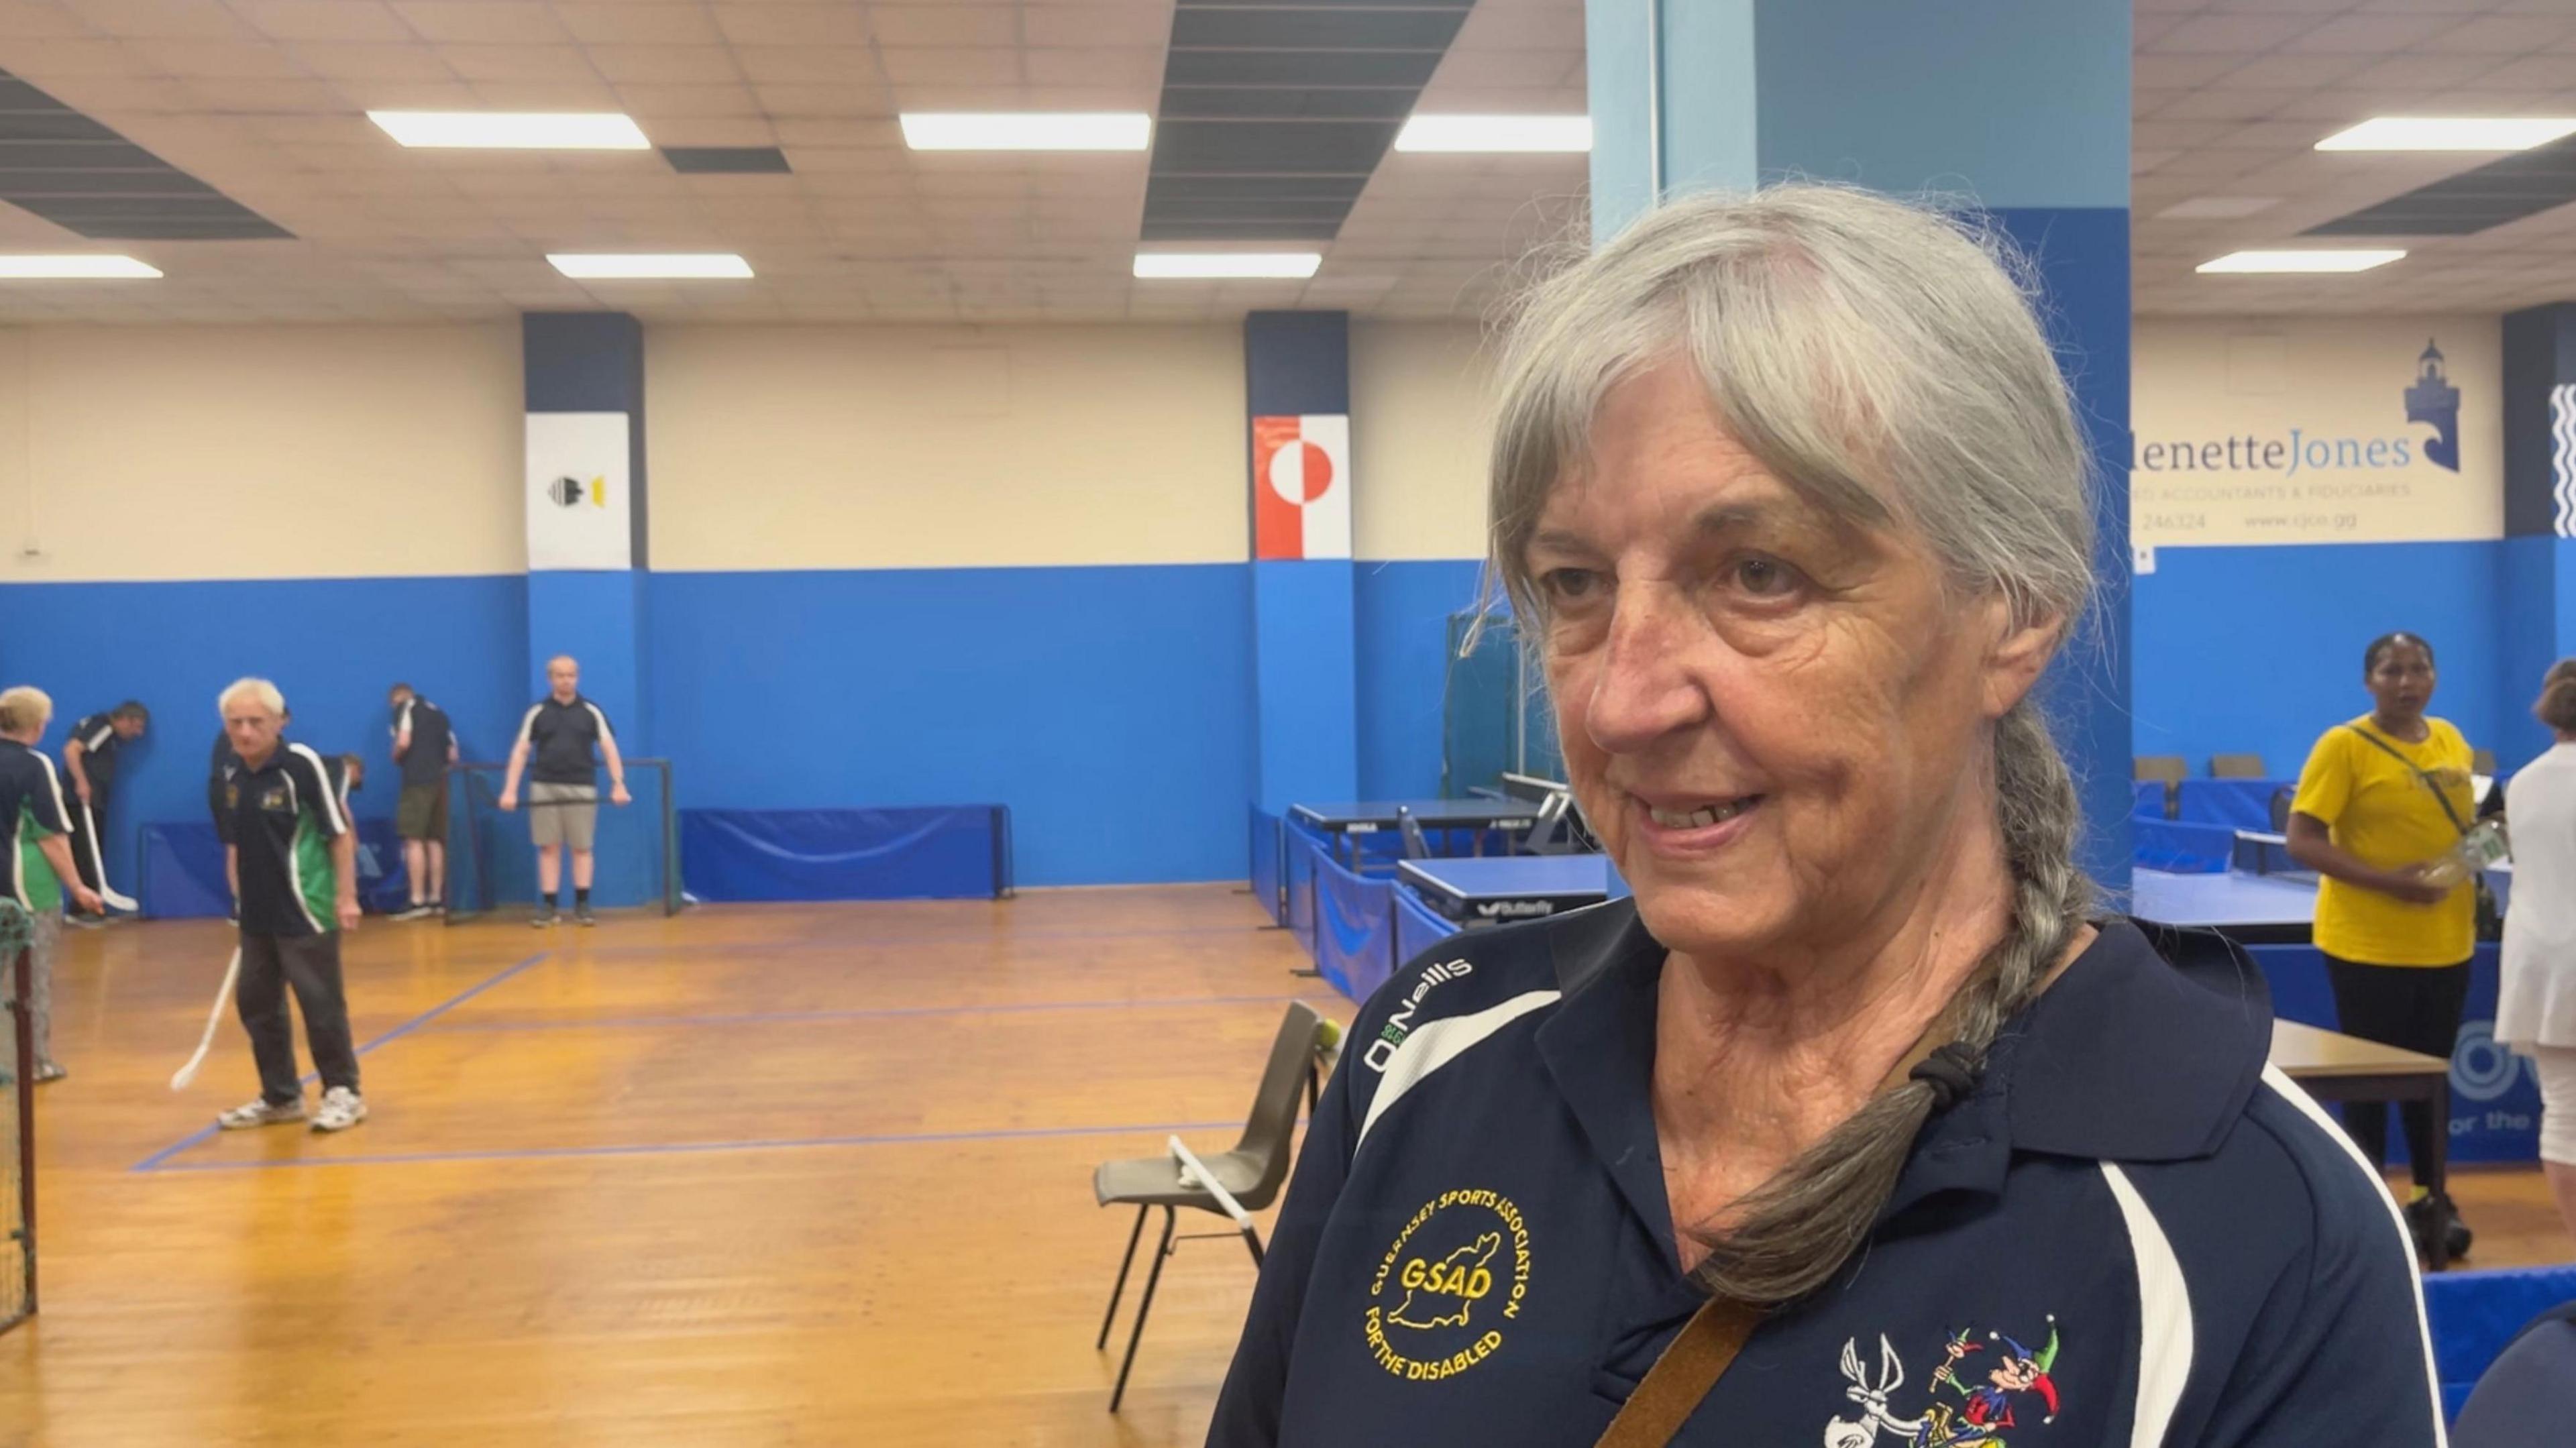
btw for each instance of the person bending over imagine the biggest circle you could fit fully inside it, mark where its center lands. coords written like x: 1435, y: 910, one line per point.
x: 89, y: 758
x: 424, y: 747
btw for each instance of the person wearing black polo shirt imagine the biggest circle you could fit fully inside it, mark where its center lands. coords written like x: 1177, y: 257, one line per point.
x: 293, y: 866
x: 1861, y: 1123
x: 554, y: 748
x: 424, y: 746
x: 40, y: 871
x: 89, y: 758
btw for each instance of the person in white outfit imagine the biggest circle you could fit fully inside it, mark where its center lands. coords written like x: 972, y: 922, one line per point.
x: 2537, y: 1012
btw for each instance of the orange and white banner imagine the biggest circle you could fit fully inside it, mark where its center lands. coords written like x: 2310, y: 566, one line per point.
x: 1301, y: 486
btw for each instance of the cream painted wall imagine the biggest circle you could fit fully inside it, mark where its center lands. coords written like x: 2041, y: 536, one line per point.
x: 259, y: 452
x: 894, y: 447
x: 1421, y: 420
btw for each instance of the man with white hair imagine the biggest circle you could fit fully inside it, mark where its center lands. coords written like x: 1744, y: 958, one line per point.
x: 558, y: 734
x: 293, y: 866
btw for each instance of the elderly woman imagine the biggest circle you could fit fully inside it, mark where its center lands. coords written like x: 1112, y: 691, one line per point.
x: 2536, y: 1012
x: 41, y: 869
x: 1854, y: 1126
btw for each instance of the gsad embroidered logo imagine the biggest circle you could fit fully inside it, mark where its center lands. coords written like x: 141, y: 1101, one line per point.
x: 1969, y: 1417
x: 1457, y: 1275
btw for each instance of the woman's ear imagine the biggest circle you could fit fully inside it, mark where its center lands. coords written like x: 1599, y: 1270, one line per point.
x: 2019, y: 656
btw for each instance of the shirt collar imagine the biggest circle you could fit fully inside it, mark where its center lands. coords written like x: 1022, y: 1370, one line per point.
x: 2145, y: 1050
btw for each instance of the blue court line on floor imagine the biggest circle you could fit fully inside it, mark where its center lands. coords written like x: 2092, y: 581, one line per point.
x: 745, y: 1018
x: 687, y: 1148
x: 203, y: 1133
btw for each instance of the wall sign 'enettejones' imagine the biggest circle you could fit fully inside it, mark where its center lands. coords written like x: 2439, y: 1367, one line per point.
x: 2292, y: 430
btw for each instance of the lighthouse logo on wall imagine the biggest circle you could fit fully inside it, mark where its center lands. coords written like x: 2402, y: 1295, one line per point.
x: 1301, y: 486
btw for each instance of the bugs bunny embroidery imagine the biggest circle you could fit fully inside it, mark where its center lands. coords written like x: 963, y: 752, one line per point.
x: 1875, y: 1414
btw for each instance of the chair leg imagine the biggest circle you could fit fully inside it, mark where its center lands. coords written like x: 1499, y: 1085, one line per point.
x: 1144, y: 1305
x: 1120, y: 1290
x: 1252, y: 1239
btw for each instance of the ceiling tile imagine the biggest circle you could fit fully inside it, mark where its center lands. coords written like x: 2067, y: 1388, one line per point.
x: 613, y: 23
x: 483, y: 22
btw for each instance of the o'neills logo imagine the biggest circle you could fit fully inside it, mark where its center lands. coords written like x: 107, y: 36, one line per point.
x: 1400, y: 1025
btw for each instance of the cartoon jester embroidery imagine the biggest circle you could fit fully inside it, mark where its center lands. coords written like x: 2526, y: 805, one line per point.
x: 1983, y: 1410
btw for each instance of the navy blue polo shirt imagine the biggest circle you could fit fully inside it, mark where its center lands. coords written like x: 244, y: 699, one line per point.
x: 2133, y: 1232
x: 560, y: 739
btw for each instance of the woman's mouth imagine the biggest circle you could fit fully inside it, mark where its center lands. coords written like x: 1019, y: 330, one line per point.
x: 1696, y: 825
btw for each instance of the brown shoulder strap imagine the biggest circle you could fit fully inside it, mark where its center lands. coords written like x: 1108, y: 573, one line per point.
x: 1674, y: 1386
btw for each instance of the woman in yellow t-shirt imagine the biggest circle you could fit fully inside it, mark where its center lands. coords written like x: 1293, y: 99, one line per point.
x: 2381, y: 798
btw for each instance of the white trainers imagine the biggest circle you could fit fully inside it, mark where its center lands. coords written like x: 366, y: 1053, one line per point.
x: 342, y: 1108
x: 257, y: 1112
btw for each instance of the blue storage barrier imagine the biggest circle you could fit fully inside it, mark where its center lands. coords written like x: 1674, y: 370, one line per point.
x: 943, y: 852
x: 1418, y: 927
x: 2152, y: 795
x: 1269, y: 868
x: 1354, y: 929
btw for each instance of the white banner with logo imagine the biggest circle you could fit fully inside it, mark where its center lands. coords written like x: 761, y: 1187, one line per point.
x: 2316, y: 430
x: 578, y: 508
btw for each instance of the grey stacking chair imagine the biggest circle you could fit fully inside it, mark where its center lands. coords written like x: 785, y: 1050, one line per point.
x: 1252, y: 1172
x: 1548, y: 834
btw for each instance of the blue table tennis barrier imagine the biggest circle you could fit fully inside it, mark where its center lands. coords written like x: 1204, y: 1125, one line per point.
x: 2180, y: 848
x: 942, y: 852
x: 2238, y: 804
x: 1269, y: 865
x: 179, y: 871
x: 1354, y: 929
x: 2474, y: 1314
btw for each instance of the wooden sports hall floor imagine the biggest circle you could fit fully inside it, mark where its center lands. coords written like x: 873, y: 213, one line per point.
x: 808, y: 1175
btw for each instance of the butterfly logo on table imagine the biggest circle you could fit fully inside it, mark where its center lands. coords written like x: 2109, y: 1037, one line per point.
x: 2016, y: 1380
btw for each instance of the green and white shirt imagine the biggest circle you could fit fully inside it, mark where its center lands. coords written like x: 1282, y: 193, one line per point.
x: 31, y: 800
x: 281, y: 818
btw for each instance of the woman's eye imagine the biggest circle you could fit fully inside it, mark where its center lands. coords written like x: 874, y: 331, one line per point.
x: 1570, y: 585
x: 1760, y: 577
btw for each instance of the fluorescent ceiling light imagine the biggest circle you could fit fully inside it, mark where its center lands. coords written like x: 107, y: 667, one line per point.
x: 85, y: 266
x: 1292, y: 265
x: 514, y: 130
x: 1026, y: 130
x: 2450, y: 133
x: 640, y: 266
x: 1495, y: 133
x: 2300, y: 261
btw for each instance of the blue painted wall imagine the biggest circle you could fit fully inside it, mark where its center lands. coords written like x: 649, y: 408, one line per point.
x: 1401, y: 611
x: 2259, y: 649
x: 1110, y: 707
x: 333, y: 645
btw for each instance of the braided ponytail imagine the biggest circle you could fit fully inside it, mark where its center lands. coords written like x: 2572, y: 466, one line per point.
x: 1798, y: 1229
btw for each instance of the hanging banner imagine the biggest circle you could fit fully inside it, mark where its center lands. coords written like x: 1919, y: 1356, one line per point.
x: 2325, y: 430
x: 1301, y: 486
x: 578, y: 507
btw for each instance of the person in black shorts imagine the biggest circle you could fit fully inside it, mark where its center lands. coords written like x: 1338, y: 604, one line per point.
x: 558, y: 734
x: 293, y: 865
x: 424, y: 746
x: 89, y: 759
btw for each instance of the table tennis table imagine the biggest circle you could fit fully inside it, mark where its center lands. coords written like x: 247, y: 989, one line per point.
x: 1507, y: 887
x: 1343, y: 821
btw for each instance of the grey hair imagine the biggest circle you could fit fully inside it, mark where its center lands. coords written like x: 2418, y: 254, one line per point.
x: 258, y: 689
x: 1885, y: 361
x: 25, y: 707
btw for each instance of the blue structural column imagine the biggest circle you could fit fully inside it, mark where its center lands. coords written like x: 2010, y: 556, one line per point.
x: 1297, y: 378
x: 2019, y: 108
x: 2539, y: 583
